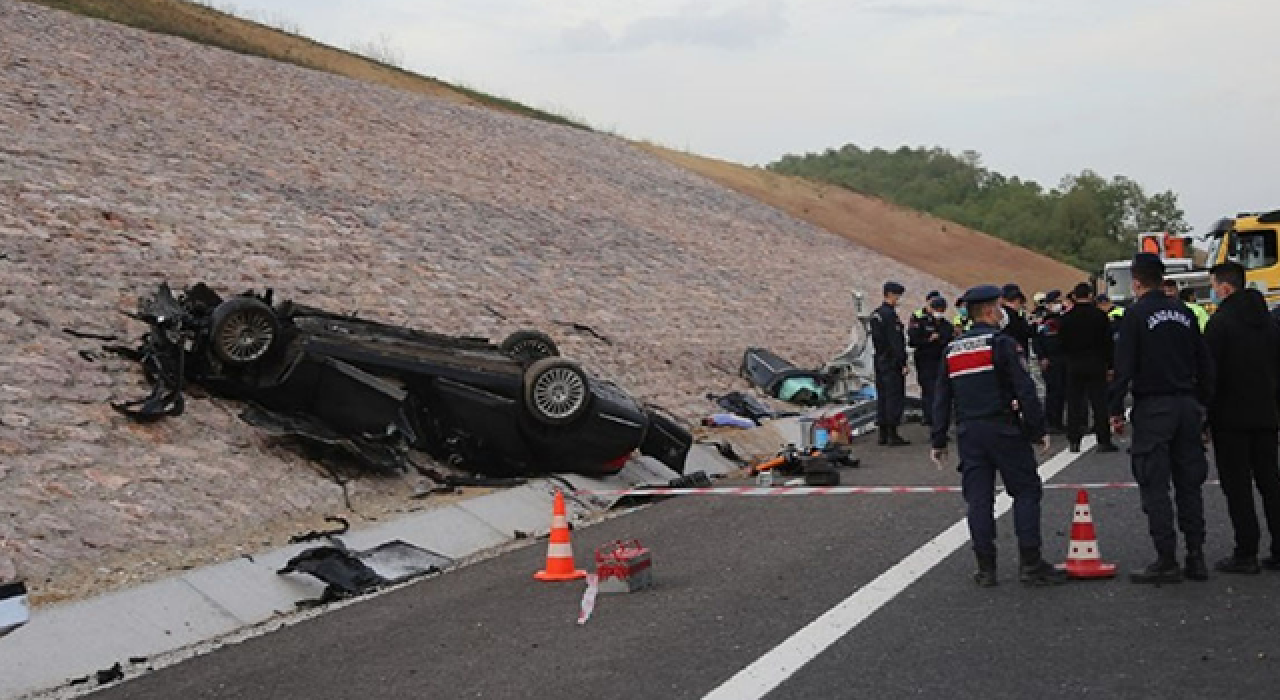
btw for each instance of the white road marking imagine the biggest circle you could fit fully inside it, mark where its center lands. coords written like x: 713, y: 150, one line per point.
x: 784, y: 660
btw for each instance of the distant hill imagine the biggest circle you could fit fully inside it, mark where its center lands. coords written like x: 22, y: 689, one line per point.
x: 1085, y: 221
x: 948, y: 250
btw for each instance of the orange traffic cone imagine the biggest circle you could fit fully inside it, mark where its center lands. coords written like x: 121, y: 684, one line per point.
x: 559, y: 551
x: 1084, y: 559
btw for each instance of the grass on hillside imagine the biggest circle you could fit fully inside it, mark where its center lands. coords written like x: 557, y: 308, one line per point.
x: 207, y: 25
x: 941, y: 248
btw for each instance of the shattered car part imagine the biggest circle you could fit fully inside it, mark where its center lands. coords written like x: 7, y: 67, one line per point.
x: 349, y: 572
x: 14, y: 609
x: 375, y: 390
x: 343, y: 526
x: 772, y: 374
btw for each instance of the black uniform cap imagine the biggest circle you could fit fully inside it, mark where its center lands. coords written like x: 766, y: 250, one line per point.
x: 931, y: 295
x: 1010, y: 291
x: 981, y: 293
x: 1150, y: 262
x: 1052, y: 296
x: 894, y: 288
x: 938, y: 303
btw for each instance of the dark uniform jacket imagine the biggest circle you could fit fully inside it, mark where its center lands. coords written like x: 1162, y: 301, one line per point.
x: 920, y: 328
x: 1087, y: 340
x: 1160, y: 352
x: 1020, y: 330
x: 1243, y: 343
x: 887, y: 339
x: 982, y: 374
x: 1047, y: 342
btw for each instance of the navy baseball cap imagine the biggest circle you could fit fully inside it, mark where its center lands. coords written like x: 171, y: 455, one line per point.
x: 1149, y: 261
x: 894, y: 288
x: 982, y: 293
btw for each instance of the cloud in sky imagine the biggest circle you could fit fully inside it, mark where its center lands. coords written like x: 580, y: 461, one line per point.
x: 696, y: 24
x: 1178, y: 94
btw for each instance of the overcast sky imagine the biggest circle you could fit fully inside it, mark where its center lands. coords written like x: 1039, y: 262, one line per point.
x: 1178, y: 94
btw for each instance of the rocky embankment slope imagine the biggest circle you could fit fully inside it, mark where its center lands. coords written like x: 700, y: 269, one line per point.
x: 128, y: 158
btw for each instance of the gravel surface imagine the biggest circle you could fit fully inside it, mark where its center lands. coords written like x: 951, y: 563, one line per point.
x: 128, y: 158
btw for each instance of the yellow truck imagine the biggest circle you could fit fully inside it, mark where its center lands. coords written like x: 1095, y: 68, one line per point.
x: 1251, y: 239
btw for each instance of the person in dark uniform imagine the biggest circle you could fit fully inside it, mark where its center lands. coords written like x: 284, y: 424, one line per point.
x: 929, y: 335
x: 1088, y: 348
x: 1053, y: 364
x: 1162, y: 357
x: 998, y: 418
x: 890, y: 365
x: 1018, y: 328
x: 1245, y: 348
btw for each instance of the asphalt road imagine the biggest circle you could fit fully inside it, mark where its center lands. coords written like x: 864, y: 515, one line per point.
x: 737, y: 576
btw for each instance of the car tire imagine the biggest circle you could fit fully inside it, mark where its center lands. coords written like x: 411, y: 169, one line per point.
x: 556, y: 391
x: 242, y: 331
x: 527, y: 347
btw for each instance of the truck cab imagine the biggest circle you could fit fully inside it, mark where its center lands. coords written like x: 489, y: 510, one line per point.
x: 1253, y: 240
x: 1118, y: 277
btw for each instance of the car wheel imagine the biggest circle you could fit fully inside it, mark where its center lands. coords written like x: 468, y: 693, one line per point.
x: 556, y: 391
x: 527, y: 347
x: 242, y: 331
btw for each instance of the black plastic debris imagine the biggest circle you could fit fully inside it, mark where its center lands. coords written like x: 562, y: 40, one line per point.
x: 90, y: 335
x: 342, y: 523
x: 349, y: 573
x: 109, y: 675
x: 744, y: 405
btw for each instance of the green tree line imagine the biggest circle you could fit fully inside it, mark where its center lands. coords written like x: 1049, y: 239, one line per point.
x: 1085, y: 221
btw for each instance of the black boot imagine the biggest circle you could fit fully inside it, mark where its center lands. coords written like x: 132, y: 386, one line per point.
x: 1162, y: 570
x: 1238, y: 564
x: 1035, y: 571
x: 1074, y: 446
x: 985, y: 576
x: 1195, y: 568
x: 896, y: 440
x: 883, y: 434
x: 1105, y: 447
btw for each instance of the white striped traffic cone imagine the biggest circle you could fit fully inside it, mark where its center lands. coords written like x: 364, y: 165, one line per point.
x: 1084, y: 559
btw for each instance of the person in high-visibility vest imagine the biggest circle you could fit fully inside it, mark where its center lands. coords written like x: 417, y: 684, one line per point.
x: 1188, y: 297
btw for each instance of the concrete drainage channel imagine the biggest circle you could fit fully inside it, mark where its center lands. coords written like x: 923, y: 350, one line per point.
x: 66, y: 650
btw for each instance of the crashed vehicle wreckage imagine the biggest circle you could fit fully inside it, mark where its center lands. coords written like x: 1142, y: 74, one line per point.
x: 847, y: 379
x: 377, y: 390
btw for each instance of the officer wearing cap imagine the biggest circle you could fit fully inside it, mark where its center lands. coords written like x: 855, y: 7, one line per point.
x: 890, y: 365
x: 998, y: 418
x: 1053, y: 367
x: 928, y: 333
x: 1012, y: 298
x: 1161, y: 356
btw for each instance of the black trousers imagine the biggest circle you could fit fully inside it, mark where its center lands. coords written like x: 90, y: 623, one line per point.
x: 1167, y: 450
x: 1055, y: 391
x: 1246, y: 458
x: 987, y: 449
x: 927, y: 373
x: 891, y: 394
x: 1087, y: 392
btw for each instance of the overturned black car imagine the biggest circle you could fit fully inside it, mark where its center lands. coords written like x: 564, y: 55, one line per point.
x: 377, y: 390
